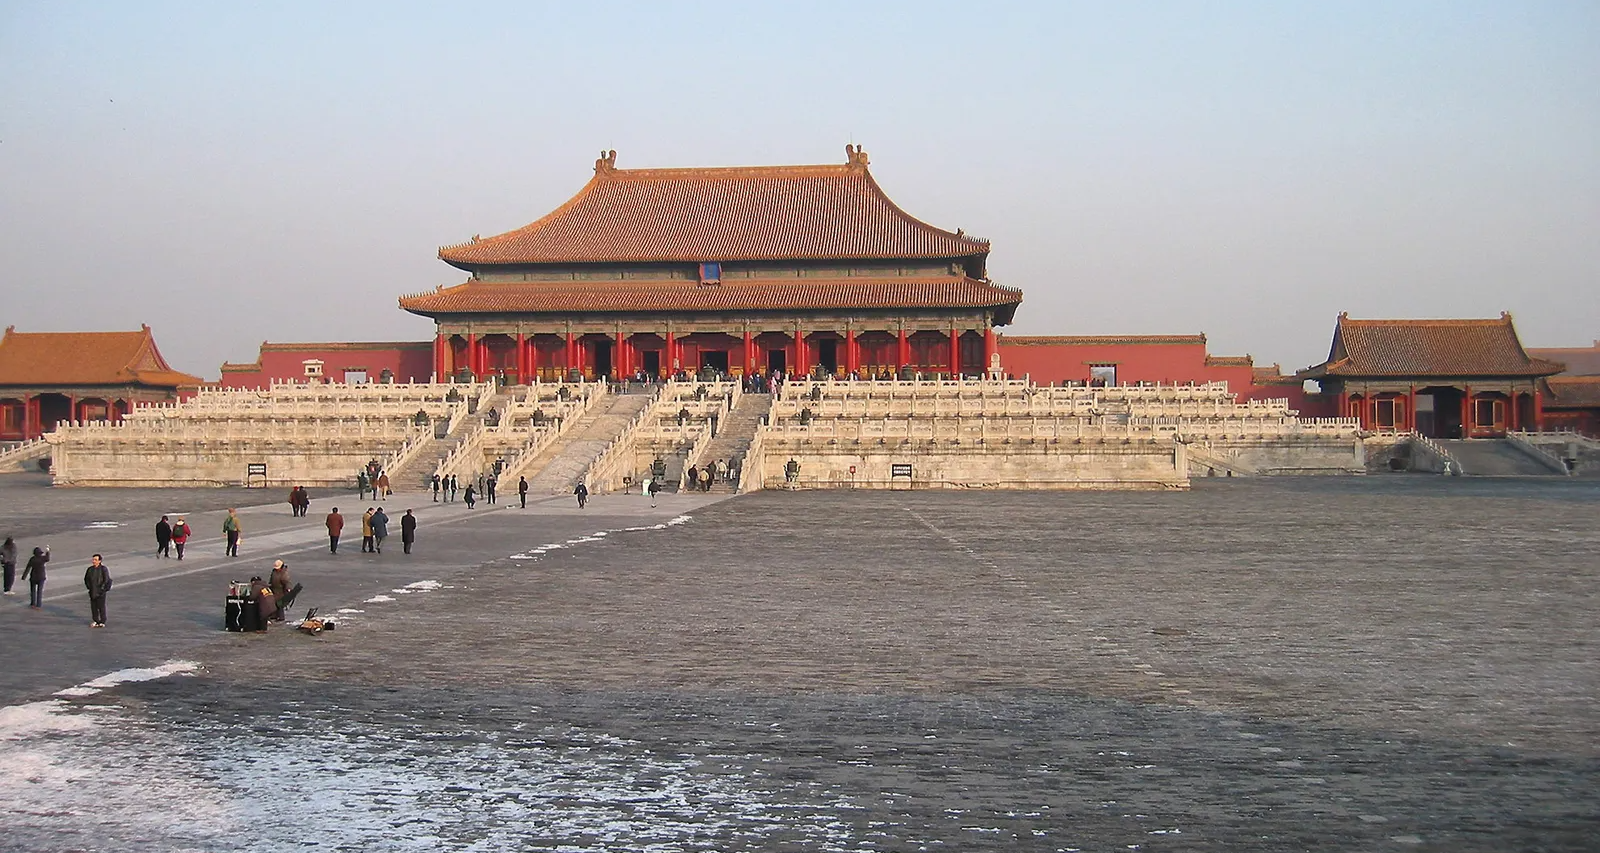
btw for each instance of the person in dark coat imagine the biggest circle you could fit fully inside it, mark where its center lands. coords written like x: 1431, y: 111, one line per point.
x: 488, y: 488
x: 266, y: 602
x: 97, y: 579
x: 33, y: 573
x: 454, y: 487
x: 163, y: 538
x: 8, y: 563
x: 335, y: 524
x: 582, y: 492
x: 408, y: 530
x: 435, y: 488
x: 471, y: 497
x: 380, y: 530
x: 522, y: 491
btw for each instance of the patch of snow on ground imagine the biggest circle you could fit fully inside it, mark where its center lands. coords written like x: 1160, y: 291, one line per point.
x: 425, y: 585
x: 123, y: 676
x: 349, y: 610
x: 379, y: 599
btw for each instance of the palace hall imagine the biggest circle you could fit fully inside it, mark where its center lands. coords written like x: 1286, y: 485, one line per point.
x: 798, y: 269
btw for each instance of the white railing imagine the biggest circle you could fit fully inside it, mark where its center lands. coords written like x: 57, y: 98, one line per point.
x: 33, y: 448
x: 1444, y: 462
x: 408, y: 451
x: 1539, y: 454
x: 754, y: 463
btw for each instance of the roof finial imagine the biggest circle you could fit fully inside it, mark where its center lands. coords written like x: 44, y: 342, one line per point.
x: 855, y: 155
x: 607, y: 161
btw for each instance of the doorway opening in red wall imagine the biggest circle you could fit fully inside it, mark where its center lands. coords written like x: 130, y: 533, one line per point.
x: 1103, y: 375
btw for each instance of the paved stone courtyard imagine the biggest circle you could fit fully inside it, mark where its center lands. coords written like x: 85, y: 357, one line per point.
x: 1376, y: 663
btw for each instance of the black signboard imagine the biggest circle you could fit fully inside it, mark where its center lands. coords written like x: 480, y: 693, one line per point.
x: 900, y: 470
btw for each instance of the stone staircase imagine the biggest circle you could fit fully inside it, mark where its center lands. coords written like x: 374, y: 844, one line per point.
x: 416, y: 475
x: 15, y: 456
x: 560, y: 466
x: 1494, y: 457
x: 735, y: 431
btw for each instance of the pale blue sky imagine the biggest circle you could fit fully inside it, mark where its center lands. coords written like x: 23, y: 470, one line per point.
x: 233, y: 174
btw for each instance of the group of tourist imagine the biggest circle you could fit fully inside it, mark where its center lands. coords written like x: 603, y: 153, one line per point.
x: 374, y: 530
x: 96, y: 579
x: 299, y: 501
x: 701, y: 478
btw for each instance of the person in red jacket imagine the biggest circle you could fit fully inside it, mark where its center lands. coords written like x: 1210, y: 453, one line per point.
x: 335, y: 527
x: 180, y: 535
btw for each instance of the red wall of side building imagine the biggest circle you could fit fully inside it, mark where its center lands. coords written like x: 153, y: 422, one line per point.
x: 1167, y: 360
x: 408, y: 361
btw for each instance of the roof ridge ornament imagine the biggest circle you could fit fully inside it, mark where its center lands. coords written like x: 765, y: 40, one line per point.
x: 607, y: 162
x: 855, y: 156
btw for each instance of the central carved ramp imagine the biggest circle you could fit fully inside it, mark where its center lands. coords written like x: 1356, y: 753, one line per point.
x: 557, y: 470
x: 1494, y: 457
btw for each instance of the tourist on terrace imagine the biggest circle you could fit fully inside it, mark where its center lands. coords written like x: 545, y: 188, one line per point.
x: 362, y: 484
x: 382, y: 490
x: 279, y: 583
x: 488, y: 488
x: 522, y: 491
x: 654, y: 488
x: 180, y: 535
x: 231, y: 529
x: 435, y: 483
x: 454, y: 487
x: 366, y: 532
x: 335, y: 524
x: 408, y: 530
x: 97, y: 579
x: 163, y: 540
x: 380, y: 530
x: 471, y: 496
x: 34, y: 573
x: 582, y: 492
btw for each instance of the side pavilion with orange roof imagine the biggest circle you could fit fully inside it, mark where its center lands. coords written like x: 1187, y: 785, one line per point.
x: 49, y: 377
x: 1438, y: 378
x: 799, y: 269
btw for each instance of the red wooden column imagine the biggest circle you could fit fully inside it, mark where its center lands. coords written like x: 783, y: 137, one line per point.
x: 30, y: 418
x: 619, y: 357
x: 439, y: 368
x: 1411, y: 410
x: 904, y: 353
x: 472, y: 354
x: 669, y: 358
x: 990, y: 347
x: 1344, y: 404
x: 955, y: 353
x: 749, y: 353
x: 569, y: 362
x: 800, y: 367
x: 1466, y: 412
x: 1538, y: 409
x: 852, y: 352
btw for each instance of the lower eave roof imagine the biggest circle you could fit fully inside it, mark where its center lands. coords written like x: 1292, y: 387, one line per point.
x: 787, y: 294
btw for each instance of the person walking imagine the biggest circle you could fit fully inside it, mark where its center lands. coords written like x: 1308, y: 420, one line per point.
x: 180, y: 535
x: 33, y: 573
x: 335, y: 524
x: 488, y: 488
x: 655, y: 489
x: 383, y: 489
x: 408, y: 530
x: 8, y: 563
x: 471, y: 497
x: 454, y: 486
x: 435, y: 488
x: 366, y: 532
x: 230, y: 528
x: 294, y: 501
x: 692, y: 479
x: 163, y: 538
x: 380, y: 530
x: 705, y: 479
x: 279, y: 582
x: 522, y: 491
x: 97, y: 579
x: 362, y: 484
x: 582, y: 492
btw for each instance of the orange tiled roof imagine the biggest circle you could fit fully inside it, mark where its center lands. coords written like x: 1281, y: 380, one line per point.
x: 86, y: 358
x: 1402, y: 348
x: 786, y: 294
x: 721, y: 214
x: 1579, y: 361
x: 1573, y: 392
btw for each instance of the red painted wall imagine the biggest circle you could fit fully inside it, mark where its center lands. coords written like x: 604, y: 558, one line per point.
x: 410, y: 362
x: 1179, y: 359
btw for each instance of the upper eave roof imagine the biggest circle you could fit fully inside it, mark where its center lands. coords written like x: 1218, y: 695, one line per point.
x: 1395, y: 349
x: 720, y: 214
x: 785, y: 294
x: 86, y: 358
